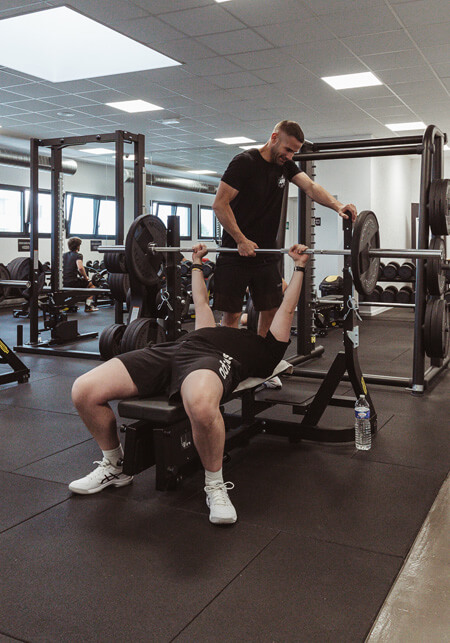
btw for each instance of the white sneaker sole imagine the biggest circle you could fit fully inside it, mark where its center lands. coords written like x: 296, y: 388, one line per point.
x: 222, y: 521
x: 85, y: 492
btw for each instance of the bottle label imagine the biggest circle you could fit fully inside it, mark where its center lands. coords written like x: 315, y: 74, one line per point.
x: 362, y: 415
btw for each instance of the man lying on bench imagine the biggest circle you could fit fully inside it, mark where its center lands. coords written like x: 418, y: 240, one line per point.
x: 203, y: 367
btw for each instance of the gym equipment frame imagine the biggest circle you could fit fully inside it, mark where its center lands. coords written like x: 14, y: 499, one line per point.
x: 56, y: 145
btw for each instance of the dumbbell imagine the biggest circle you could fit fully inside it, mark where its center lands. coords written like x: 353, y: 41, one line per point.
x: 405, y: 295
x: 380, y: 270
x: 407, y: 270
x: 389, y: 294
x: 96, y: 264
x: 185, y: 268
x: 89, y: 264
x: 390, y: 271
x: 208, y: 268
x: 376, y: 294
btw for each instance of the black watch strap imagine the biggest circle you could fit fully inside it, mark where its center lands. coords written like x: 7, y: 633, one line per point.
x: 299, y: 268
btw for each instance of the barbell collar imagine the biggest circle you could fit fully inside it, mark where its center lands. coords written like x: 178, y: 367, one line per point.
x: 111, y: 249
x: 421, y: 253
x: 15, y: 282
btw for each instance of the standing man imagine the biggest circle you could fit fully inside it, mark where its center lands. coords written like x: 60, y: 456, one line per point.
x: 248, y: 205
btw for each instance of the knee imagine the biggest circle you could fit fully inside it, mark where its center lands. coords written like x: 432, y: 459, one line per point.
x: 201, y: 411
x: 83, y: 393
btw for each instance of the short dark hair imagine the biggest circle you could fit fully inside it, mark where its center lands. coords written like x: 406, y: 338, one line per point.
x: 291, y: 128
x: 74, y: 243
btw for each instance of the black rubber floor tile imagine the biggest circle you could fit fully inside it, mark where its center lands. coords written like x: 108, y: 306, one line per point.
x: 36, y: 435
x: 23, y: 498
x: 53, y: 365
x: 299, y: 590
x: 49, y: 394
x: 377, y: 506
x: 432, y: 406
x: 105, y: 570
x: 411, y: 443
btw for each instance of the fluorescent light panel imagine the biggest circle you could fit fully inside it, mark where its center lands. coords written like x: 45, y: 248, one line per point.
x: 134, y: 106
x: 60, y: 44
x: 98, y: 150
x: 349, y: 81
x: 201, y: 172
x: 252, y: 147
x: 404, y: 127
x: 235, y: 140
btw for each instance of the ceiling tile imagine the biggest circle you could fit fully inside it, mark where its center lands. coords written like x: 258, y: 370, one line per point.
x: 211, y: 67
x: 241, y: 79
x: 205, y: 20
x: 393, y: 60
x: 185, y: 50
x: 437, y: 53
x: 325, y: 7
x: 409, y: 74
x: 379, y: 43
x: 38, y: 90
x: 438, y: 34
x: 420, y: 12
x: 260, y: 59
x: 10, y: 79
x: 149, y: 30
x: 235, y: 42
x: 166, y: 6
x: 296, y: 31
x: 442, y: 69
x: 316, y: 51
x: 371, y: 20
x: 275, y: 11
x: 430, y: 88
x: 335, y: 66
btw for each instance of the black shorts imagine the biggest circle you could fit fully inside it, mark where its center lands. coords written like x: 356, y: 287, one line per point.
x: 162, y: 368
x: 232, y: 276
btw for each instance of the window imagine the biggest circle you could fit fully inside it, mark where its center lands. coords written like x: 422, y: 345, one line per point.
x: 209, y: 226
x: 44, y: 211
x: 11, y: 210
x: 90, y: 216
x: 162, y: 210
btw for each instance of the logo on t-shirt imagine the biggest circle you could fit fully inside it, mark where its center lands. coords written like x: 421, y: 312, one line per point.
x: 282, y: 181
x: 225, y: 365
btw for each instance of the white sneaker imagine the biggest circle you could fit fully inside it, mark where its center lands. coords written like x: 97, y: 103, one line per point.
x: 221, y: 510
x: 103, y: 476
x: 274, y: 382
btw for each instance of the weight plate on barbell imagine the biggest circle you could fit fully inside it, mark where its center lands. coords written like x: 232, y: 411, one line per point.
x: 143, y: 264
x: 110, y: 339
x: 366, y: 237
x: 436, y: 328
x: 439, y: 206
x: 115, y: 262
x: 434, y: 273
x: 140, y: 332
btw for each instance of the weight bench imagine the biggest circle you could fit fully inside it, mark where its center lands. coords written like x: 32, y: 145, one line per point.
x: 162, y: 434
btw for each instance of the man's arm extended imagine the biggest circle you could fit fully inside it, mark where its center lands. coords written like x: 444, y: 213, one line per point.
x: 282, y: 322
x: 318, y: 194
x: 221, y: 206
x: 203, y: 314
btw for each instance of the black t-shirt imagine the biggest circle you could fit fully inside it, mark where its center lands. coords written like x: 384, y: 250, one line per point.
x: 257, y: 355
x: 257, y: 207
x: 70, y: 270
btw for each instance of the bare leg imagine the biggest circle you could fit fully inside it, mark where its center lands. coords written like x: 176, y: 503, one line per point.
x: 264, y: 321
x: 231, y: 319
x: 201, y: 392
x: 90, y: 300
x: 91, y: 393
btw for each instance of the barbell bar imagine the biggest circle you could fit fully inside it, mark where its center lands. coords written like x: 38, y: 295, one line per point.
x: 421, y: 253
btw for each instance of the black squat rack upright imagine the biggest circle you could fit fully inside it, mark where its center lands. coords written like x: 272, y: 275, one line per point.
x: 58, y: 232
x: 430, y: 147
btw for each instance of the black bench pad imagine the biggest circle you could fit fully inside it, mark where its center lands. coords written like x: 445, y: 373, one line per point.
x: 154, y: 409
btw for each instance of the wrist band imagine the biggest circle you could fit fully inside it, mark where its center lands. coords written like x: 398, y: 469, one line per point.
x: 196, y: 266
x: 299, y: 268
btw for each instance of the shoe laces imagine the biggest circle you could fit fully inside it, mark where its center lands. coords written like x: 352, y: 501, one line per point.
x: 219, y: 492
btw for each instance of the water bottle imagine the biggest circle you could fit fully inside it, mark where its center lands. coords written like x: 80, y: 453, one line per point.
x: 363, y: 434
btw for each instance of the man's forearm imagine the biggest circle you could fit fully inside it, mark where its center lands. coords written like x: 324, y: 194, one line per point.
x: 199, y: 292
x: 323, y: 197
x: 225, y: 215
x: 292, y: 293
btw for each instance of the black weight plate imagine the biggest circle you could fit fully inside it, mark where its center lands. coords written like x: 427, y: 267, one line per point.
x: 439, y: 207
x: 115, y: 262
x: 119, y: 284
x: 434, y: 273
x: 252, y: 316
x: 140, y: 332
x: 143, y: 264
x: 436, y: 328
x: 366, y: 237
x: 110, y: 339
x: 4, y: 274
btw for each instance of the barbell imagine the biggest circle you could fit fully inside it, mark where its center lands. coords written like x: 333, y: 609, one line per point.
x: 145, y: 251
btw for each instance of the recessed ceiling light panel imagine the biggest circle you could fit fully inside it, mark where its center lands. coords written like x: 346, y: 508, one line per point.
x: 405, y: 127
x: 98, y: 150
x: 201, y: 172
x: 134, y: 106
x: 43, y: 43
x: 256, y: 146
x: 350, y: 81
x: 235, y: 140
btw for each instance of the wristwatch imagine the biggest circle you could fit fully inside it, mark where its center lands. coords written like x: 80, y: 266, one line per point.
x: 299, y: 268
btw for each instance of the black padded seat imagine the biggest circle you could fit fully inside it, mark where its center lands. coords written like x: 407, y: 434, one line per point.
x: 155, y: 409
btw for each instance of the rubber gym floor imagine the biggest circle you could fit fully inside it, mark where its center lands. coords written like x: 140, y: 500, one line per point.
x: 322, y: 532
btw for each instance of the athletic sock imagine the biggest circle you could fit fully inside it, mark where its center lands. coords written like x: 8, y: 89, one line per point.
x: 213, y: 476
x: 115, y: 456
